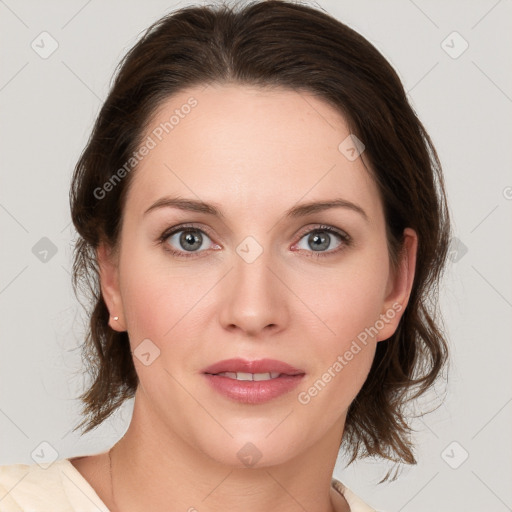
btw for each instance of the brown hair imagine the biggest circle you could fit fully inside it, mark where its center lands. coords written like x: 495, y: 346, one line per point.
x: 275, y: 44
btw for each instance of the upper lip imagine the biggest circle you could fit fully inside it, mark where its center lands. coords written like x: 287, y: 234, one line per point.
x: 238, y: 365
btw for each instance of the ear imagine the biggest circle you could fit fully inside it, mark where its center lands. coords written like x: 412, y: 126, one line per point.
x: 109, y: 281
x: 399, y: 286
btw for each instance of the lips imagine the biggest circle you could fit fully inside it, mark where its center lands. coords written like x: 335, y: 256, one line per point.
x: 260, y: 366
x: 252, y: 382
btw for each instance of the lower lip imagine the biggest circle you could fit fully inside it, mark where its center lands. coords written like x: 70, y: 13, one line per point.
x: 253, y: 392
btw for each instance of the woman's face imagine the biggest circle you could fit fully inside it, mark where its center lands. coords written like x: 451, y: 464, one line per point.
x: 255, y: 280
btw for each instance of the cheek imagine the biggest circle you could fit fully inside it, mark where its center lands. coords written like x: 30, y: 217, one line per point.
x: 343, y: 355
x: 161, y: 299
x: 349, y: 299
x: 349, y: 307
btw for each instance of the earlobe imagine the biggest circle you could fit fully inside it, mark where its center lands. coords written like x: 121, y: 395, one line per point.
x: 400, y: 285
x: 109, y: 281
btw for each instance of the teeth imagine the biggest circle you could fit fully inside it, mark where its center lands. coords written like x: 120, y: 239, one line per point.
x: 250, y: 376
x: 265, y: 376
x: 244, y: 376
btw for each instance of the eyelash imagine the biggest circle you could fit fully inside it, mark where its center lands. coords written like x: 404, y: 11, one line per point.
x: 345, y: 239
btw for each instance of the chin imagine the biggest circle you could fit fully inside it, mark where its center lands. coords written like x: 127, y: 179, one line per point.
x: 256, y: 447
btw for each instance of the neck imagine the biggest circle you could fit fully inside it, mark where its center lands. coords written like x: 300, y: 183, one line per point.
x: 148, y: 474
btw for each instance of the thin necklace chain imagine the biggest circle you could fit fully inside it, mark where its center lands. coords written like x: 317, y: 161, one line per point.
x: 111, y: 479
x: 110, y: 471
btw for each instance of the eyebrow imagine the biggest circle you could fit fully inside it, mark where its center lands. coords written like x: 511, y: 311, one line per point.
x: 302, y: 210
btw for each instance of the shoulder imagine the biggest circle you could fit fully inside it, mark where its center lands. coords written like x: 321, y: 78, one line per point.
x: 35, y: 488
x: 24, y: 485
x: 356, y: 504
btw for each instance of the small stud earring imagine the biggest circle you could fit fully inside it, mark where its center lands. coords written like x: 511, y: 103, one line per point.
x: 116, y: 318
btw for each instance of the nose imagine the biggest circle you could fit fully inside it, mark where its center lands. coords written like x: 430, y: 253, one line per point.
x: 255, y: 301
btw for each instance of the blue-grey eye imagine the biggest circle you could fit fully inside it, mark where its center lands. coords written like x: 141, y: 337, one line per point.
x: 189, y: 240
x: 320, y: 240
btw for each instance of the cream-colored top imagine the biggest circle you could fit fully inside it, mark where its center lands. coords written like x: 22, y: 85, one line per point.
x: 62, y: 488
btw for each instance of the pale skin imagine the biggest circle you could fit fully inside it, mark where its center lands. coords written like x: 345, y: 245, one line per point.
x: 254, y: 154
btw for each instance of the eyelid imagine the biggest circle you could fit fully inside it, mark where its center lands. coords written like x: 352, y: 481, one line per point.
x: 325, y: 227
x: 183, y: 227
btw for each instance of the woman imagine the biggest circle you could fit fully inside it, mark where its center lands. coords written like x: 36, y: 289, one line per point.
x: 262, y: 224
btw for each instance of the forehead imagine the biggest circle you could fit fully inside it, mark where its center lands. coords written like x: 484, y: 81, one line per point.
x: 249, y: 147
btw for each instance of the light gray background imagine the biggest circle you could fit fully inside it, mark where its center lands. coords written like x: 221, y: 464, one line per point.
x: 47, y: 110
